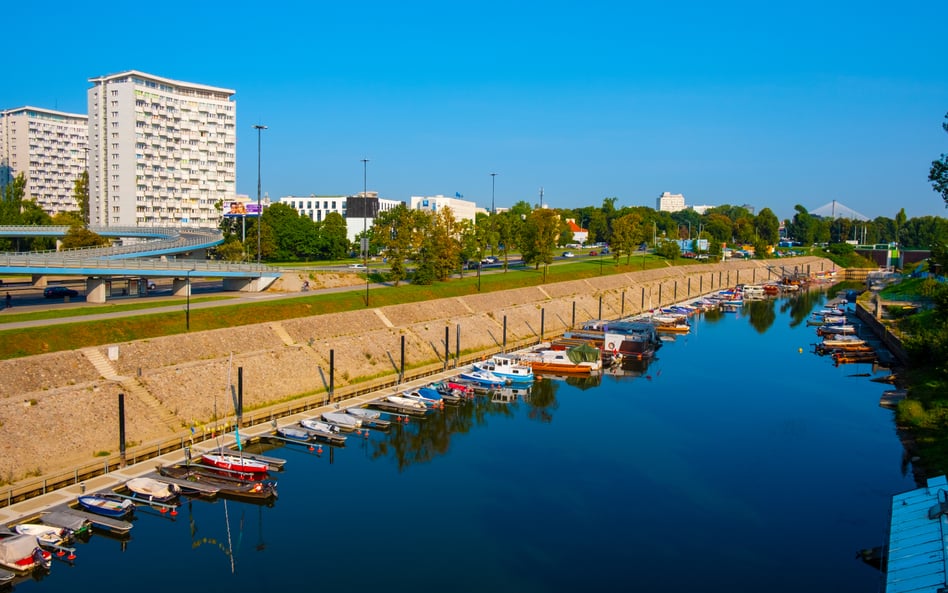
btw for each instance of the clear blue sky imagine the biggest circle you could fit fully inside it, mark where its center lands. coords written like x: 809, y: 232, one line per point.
x: 769, y: 104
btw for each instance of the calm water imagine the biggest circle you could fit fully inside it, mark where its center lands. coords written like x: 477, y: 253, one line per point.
x: 732, y: 462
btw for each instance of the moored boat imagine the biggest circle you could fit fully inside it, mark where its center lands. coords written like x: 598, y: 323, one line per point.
x: 106, y: 506
x: 323, y: 431
x: 21, y: 553
x: 579, y: 360
x: 506, y: 367
x: 226, y: 486
x: 345, y: 421
x: 152, y: 490
x: 44, y: 534
x: 482, y: 377
x: 234, y: 463
x: 292, y: 433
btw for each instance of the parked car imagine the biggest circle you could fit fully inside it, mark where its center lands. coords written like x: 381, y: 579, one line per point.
x: 152, y: 285
x: 605, y: 250
x: 591, y: 253
x: 568, y: 254
x: 58, y: 292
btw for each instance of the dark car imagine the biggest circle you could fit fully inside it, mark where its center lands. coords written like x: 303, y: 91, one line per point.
x: 58, y: 292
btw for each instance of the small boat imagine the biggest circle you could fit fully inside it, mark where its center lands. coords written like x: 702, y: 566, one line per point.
x: 152, y: 490
x: 21, y: 553
x: 579, y: 360
x: 406, y: 402
x: 364, y: 413
x: 108, y: 507
x: 227, y: 486
x: 426, y: 395
x: 293, y: 433
x: 825, y: 330
x: 842, y: 342
x: 506, y: 367
x: 323, y: 431
x: 44, y: 534
x: 483, y: 377
x: 236, y: 463
x: 345, y: 421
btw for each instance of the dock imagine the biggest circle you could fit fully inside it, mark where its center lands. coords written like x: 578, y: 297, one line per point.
x: 186, y: 485
x: 915, y: 553
x: 274, y: 462
x: 101, y: 522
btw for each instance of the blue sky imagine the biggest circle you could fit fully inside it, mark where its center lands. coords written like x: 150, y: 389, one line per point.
x: 768, y: 104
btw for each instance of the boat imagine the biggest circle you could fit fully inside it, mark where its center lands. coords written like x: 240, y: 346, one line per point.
x: 506, y: 367
x: 842, y: 342
x: 426, y: 395
x: 824, y: 330
x: 482, y: 377
x: 294, y: 434
x: 578, y: 360
x: 345, y: 421
x: 323, y: 431
x: 364, y: 413
x: 6, y: 576
x: 21, y: 553
x: 406, y: 402
x: 44, y: 534
x: 235, y: 463
x: 227, y: 486
x: 106, y: 506
x: 152, y: 490
x: 450, y: 393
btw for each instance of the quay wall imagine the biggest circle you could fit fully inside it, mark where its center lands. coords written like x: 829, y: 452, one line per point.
x: 59, y: 412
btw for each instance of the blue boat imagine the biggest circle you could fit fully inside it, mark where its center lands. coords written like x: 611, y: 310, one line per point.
x: 106, y: 506
x: 483, y: 377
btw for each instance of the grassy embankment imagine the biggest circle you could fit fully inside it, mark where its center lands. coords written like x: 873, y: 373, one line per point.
x: 15, y: 343
x: 924, y: 414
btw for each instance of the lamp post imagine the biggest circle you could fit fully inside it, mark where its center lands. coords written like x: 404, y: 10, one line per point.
x: 365, y: 236
x: 187, y: 311
x: 493, y: 210
x: 260, y: 128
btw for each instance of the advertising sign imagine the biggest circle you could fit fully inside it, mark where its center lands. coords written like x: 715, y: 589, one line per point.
x: 236, y: 209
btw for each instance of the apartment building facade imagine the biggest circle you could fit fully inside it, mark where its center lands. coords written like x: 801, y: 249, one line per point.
x: 669, y: 202
x: 162, y: 152
x: 49, y: 148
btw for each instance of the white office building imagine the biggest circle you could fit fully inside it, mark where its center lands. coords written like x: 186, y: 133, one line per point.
x: 669, y: 202
x: 462, y: 209
x: 162, y: 152
x: 49, y: 148
x: 362, y: 216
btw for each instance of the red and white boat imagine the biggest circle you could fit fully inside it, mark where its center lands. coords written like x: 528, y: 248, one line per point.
x: 234, y: 463
x: 22, y: 553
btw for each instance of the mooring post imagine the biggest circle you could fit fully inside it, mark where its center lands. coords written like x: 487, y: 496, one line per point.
x: 572, y: 324
x: 457, y: 347
x: 675, y: 292
x: 121, y: 414
x: 505, y: 334
x: 622, y: 307
x: 332, y: 372
x: 600, y: 306
x: 542, y: 320
x: 240, y: 396
x: 447, y: 346
x: 401, y: 371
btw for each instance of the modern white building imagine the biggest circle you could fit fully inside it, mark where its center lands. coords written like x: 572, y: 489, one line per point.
x: 669, y: 202
x: 49, y: 148
x: 462, y: 209
x: 162, y: 152
x: 316, y: 208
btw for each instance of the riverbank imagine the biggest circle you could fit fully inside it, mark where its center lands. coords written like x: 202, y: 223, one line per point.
x: 60, y: 410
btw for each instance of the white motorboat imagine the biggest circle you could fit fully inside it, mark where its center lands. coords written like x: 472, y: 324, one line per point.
x: 342, y: 420
x: 364, y: 413
x: 506, y: 367
x: 406, y: 402
x: 44, y: 534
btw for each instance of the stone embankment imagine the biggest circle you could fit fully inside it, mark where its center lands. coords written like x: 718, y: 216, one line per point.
x: 59, y: 410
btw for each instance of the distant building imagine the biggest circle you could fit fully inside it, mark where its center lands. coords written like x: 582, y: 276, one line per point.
x: 49, y: 148
x: 580, y: 235
x: 362, y: 209
x: 462, y: 209
x: 161, y: 152
x: 669, y: 202
x: 701, y: 209
x: 316, y: 207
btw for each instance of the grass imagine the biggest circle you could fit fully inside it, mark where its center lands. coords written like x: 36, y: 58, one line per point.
x: 98, y: 310
x: 16, y: 343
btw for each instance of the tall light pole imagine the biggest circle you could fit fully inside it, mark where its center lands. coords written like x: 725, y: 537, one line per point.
x: 187, y: 311
x: 260, y: 128
x: 365, y: 230
x: 493, y: 210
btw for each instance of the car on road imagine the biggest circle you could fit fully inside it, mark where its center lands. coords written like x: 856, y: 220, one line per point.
x: 592, y: 253
x: 58, y: 292
x: 356, y: 266
x: 568, y: 254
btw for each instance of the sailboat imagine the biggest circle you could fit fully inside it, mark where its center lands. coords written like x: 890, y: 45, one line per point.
x: 229, y: 461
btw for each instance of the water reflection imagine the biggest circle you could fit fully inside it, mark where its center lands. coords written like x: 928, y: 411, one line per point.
x: 761, y: 313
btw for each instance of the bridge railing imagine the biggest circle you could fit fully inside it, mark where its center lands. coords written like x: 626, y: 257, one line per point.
x: 63, y: 261
x: 171, y: 240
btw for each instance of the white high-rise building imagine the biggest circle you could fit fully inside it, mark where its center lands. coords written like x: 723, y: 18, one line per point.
x: 162, y: 152
x: 462, y: 209
x: 49, y: 148
x: 669, y: 202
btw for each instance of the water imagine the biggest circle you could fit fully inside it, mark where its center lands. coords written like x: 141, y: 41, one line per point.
x: 732, y: 462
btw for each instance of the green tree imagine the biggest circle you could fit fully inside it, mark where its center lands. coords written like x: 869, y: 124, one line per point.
x: 768, y: 227
x: 668, y: 249
x: 79, y: 236
x: 627, y: 233
x: 938, y: 174
x: 803, y: 227
x: 396, y: 232
x: 335, y: 239
x: 231, y: 250
x: 540, y: 233
x: 80, y: 192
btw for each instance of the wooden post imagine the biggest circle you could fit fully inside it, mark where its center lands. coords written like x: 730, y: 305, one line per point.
x: 121, y: 415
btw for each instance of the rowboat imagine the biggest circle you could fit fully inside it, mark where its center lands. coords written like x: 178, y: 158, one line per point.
x: 21, y: 553
x: 44, y: 534
x: 323, y: 431
x: 293, y: 433
x: 152, y: 490
x: 109, y: 507
x: 364, y: 413
x: 234, y: 463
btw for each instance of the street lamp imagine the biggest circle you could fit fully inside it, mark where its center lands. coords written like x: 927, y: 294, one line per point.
x: 493, y: 210
x: 260, y: 128
x: 187, y: 312
x: 365, y: 236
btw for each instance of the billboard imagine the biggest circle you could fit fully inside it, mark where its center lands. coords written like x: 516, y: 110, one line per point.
x: 359, y: 207
x: 237, y: 209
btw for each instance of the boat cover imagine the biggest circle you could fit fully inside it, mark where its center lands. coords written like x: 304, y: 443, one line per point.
x: 16, y: 548
x: 63, y: 519
x: 583, y: 353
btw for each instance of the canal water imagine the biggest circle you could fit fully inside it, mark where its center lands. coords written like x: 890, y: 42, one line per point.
x: 737, y: 460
